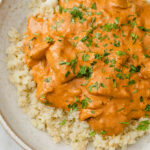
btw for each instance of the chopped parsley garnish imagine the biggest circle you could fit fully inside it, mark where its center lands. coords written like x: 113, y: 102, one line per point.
x: 131, y: 82
x: 34, y: 38
x: 98, y: 56
x: 106, y: 53
x: 85, y: 101
x: 120, y: 53
x: 115, y: 36
x: 103, y: 132
x: 93, y: 6
x: 73, y: 107
x: 147, y: 56
x: 108, y: 27
x: 135, y: 91
x: 93, y: 133
x: 134, y: 69
x: 144, y: 29
x: 124, y: 122
x: 76, y: 37
x: 47, y: 79
x: 85, y: 57
x: 49, y: 40
x: 72, y: 63
x: 114, y: 82
x: 63, y: 122
x: 113, y: 62
x: 98, y: 13
x: 147, y: 108
x: 76, y: 13
x: 84, y: 39
x: 122, y: 34
x: 47, y: 103
x: 36, y: 34
x: 117, y: 20
x: 85, y: 71
x: 134, y: 37
x: 116, y: 43
x: 133, y: 22
x: 143, y: 125
x: 60, y: 9
x: 92, y: 111
x: 141, y: 99
x: 64, y: 63
x: 95, y: 85
x: 134, y: 56
x: 120, y: 109
x: 120, y: 76
x: 106, y: 61
x: 67, y: 73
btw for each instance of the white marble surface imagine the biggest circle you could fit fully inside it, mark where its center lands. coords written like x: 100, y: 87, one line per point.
x: 6, y: 143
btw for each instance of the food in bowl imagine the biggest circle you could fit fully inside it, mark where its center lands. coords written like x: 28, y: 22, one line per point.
x: 83, y: 69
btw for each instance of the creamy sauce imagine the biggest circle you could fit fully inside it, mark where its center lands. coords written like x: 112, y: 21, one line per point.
x: 93, y: 56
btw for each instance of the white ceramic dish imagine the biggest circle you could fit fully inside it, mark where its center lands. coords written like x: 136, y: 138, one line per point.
x: 12, y: 118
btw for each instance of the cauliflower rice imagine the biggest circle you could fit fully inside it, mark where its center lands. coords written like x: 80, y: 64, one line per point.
x: 59, y: 124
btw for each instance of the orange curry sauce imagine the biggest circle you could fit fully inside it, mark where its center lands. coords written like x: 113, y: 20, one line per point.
x: 93, y: 56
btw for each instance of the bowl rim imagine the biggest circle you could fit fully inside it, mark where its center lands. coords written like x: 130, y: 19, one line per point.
x: 18, y: 140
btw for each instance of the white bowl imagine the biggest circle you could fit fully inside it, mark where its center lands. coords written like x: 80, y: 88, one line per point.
x: 12, y: 118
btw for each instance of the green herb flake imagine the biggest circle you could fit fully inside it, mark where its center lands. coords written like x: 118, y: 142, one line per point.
x: 144, y: 29
x: 84, y: 39
x: 93, y: 133
x: 120, y: 53
x: 115, y: 36
x: 141, y: 99
x: 85, y: 71
x: 98, y: 13
x: 85, y: 57
x: 49, y: 40
x: 85, y: 101
x: 131, y: 82
x: 120, y: 109
x: 98, y: 56
x: 76, y: 13
x: 134, y: 69
x: 60, y: 9
x: 36, y: 34
x: 143, y: 125
x: 114, y: 82
x: 102, y: 132
x: 117, y: 20
x: 47, y: 103
x: 67, y: 73
x: 47, y: 79
x: 92, y: 112
x: 106, y: 61
x: 135, y: 91
x: 63, y: 122
x: 95, y: 85
x: 124, y: 122
x: 134, y: 37
x: 147, y: 108
x: 134, y: 56
x: 34, y: 38
x: 76, y: 37
x: 94, y: 6
x: 73, y: 107
x: 122, y: 34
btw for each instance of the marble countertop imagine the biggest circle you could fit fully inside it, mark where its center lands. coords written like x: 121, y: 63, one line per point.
x: 6, y: 142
